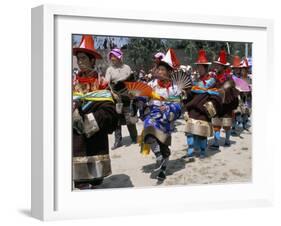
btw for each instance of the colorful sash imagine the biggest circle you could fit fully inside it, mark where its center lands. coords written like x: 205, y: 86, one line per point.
x: 200, y: 90
x: 99, y: 95
x: 173, y: 99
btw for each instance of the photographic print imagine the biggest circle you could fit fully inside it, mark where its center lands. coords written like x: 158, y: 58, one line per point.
x: 150, y: 112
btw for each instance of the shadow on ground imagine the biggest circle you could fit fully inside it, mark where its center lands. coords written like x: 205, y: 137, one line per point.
x: 211, y: 151
x: 116, y: 181
x: 173, y: 166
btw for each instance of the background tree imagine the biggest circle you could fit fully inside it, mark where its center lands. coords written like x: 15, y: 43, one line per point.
x: 139, y: 52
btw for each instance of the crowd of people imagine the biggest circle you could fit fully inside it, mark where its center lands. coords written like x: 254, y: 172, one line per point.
x: 219, y: 97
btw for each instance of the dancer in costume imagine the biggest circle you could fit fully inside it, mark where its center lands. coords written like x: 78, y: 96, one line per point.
x: 116, y: 74
x: 158, y: 115
x: 246, y: 96
x: 236, y: 73
x: 94, y: 117
x: 202, y: 103
x: 225, y: 83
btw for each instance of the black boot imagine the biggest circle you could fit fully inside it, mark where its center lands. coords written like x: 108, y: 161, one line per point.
x: 83, y: 185
x: 133, y: 132
x: 96, y: 181
x: 162, y: 175
x: 160, y: 163
x: 116, y: 145
x: 118, y: 138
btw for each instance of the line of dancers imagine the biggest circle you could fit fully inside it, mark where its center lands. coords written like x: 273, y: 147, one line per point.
x: 208, y: 99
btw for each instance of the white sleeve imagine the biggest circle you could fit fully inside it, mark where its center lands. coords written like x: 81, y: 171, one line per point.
x: 129, y: 70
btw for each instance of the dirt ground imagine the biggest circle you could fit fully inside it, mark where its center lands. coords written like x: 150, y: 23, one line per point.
x: 226, y: 165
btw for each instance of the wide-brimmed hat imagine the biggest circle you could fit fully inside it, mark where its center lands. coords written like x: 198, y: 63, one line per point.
x: 202, y: 58
x: 244, y: 63
x: 222, y: 60
x: 236, y: 63
x: 87, y: 46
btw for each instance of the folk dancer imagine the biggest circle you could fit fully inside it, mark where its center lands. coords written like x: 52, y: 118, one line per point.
x: 236, y: 73
x: 202, y: 103
x: 159, y: 114
x: 94, y: 117
x: 225, y: 83
x: 246, y: 97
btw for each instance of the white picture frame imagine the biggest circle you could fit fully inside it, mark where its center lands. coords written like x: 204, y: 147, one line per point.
x: 52, y: 196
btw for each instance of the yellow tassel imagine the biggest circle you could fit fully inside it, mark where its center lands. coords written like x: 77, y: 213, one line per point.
x: 155, y: 96
x: 145, y: 148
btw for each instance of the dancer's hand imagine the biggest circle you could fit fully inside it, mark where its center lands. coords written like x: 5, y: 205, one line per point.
x: 163, y: 108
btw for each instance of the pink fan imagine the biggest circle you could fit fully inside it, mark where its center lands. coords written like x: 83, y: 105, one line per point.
x: 241, y: 84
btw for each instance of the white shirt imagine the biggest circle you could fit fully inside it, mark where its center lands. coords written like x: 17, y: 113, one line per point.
x: 164, y: 92
x: 120, y: 73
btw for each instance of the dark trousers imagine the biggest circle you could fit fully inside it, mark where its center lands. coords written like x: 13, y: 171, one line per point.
x: 157, y: 147
x: 160, y: 150
x: 132, y: 131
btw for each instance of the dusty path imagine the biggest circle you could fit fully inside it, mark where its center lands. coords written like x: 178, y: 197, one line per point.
x: 228, y: 165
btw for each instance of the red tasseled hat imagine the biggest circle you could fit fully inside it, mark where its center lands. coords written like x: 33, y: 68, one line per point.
x: 222, y: 59
x: 87, y: 46
x: 202, y: 58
